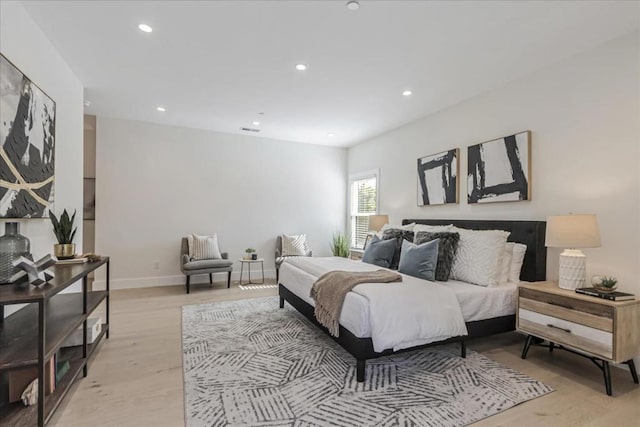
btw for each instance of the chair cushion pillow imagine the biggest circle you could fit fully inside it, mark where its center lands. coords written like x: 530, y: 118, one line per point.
x: 419, y: 260
x: 446, y: 250
x: 379, y: 252
x: 203, y: 247
x: 206, y: 264
x: 294, y: 245
x: 399, y: 236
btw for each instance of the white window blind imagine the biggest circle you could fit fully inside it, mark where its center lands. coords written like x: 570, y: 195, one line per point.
x: 364, y: 202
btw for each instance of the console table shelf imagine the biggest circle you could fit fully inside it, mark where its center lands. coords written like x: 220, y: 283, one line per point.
x: 31, y: 336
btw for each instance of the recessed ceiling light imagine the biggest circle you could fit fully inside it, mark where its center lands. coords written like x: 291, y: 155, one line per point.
x: 161, y: 109
x: 87, y: 103
x: 145, y: 28
x: 301, y: 67
x: 331, y: 134
x: 353, y: 5
x: 261, y: 113
x: 407, y: 93
x: 256, y: 123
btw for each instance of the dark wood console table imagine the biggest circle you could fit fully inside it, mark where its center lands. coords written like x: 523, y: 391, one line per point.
x: 31, y: 336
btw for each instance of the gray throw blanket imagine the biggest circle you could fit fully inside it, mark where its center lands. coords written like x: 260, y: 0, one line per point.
x: 331, y: 288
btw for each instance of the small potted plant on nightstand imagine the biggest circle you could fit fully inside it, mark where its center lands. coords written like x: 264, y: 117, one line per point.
x: 250, y: 254
x: 606, y: 284
x: 65, y: 232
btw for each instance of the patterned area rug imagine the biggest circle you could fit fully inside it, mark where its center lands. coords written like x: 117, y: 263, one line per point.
x: 250, y: 363
x: 258, y: 287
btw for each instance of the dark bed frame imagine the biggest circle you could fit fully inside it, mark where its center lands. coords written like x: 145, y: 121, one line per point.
x: 531, y: 233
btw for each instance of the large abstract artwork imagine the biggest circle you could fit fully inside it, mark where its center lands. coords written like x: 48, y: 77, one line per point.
x: 438, y: 178
x: 27, y: 138
x: 500, y: 170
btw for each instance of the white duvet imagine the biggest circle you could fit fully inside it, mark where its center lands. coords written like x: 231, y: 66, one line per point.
x: 402, y: 315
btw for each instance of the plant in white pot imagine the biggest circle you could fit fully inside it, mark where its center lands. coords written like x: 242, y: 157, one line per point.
x: 65, y: 232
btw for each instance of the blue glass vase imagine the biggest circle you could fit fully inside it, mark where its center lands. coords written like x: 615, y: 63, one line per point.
x: 13, y: 245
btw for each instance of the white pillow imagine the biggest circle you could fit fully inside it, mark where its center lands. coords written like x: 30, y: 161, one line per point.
x: 294, y: 245
x: 478, y: 257
x: 203, y: 247
x: 505, y: 263
x: 432, y: 228
x: 516, y: 262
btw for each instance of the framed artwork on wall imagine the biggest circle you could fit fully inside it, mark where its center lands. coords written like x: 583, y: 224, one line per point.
x: 27, y: 146
x: 438, y: 178
x: 500, y: 170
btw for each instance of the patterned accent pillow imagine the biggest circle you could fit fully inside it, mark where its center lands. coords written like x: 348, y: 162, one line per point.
x: 446, y: 250
x: 294, y: 245
x: 479, y: 254
x: 399, y: 235
x: 517, y: 259
x: 203, y: 247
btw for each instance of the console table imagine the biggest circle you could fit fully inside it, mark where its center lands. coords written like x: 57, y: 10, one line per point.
x: 32, y: 336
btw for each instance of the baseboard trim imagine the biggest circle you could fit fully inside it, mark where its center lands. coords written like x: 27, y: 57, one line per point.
x: 148, y: 282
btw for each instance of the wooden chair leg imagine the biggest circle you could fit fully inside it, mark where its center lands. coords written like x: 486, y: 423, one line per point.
x: 211, y: 278
x: 229, y: 280
x: 188, y: 283
x: 277, y: 275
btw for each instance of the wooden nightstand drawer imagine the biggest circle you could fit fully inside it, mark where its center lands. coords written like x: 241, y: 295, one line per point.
x: 572, y: 334
x: 567, y: 313
x: 568, y: 302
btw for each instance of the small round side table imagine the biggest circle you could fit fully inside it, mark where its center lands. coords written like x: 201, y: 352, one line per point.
x: 249, y: 262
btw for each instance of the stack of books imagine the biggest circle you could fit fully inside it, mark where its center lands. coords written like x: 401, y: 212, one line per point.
x: 612, y: 296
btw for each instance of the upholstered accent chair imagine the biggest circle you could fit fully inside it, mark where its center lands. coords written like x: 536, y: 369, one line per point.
x: 280, y: 259
x: 203, y: 266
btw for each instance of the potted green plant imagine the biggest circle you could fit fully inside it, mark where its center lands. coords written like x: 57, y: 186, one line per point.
x: 65, y: 232
x: 251, y: 254
x: 340, y: 245
x: 607, y: 284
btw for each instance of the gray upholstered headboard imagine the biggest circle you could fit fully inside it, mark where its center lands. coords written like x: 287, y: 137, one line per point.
x: 530, y: 233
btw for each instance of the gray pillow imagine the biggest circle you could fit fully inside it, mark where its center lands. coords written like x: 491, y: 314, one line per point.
x: 379, y: 252
x: 419, y: 260
x: 398, y: 235
x: 446, y: 250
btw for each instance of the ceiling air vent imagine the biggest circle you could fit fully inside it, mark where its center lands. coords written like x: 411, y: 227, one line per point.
x: 250, y: 130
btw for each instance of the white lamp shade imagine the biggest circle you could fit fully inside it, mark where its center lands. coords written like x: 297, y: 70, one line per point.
x: 376, y: 222
x: 572, y: 231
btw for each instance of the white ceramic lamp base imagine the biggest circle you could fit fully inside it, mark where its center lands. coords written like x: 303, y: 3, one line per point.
x: 573, y: 269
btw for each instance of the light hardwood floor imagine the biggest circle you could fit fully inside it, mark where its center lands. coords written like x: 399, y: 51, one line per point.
x: 136, y: 377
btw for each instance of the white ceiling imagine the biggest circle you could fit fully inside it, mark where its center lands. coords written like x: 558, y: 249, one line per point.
x: 216, y: 65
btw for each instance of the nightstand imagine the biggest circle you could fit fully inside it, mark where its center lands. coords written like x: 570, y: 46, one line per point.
x: 356, y: 254
x: 601, y: 330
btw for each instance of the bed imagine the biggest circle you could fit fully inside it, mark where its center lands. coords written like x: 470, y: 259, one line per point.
x: 486, y: 311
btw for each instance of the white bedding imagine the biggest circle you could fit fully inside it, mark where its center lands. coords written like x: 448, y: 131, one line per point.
x: 421, y: 313
x: 476, y: 302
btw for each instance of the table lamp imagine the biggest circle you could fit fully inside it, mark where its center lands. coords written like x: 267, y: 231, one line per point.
x: 376, y: 222
x: 572, y: 232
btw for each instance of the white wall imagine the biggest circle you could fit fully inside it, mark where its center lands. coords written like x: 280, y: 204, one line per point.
x: 158, y: 183
x: 584, y: 114
x: 24, y: 44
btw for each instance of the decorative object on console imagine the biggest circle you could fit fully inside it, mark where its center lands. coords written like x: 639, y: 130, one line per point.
x: 500, y: 170
x: 13, y: 245
x: 65, y: 232
x: 340, y: 245
x: 606, y: 284
x: 26, y: 188
x: 250, y: 252
x: 376, y: 222
x: 438, y: 178
x: 571, y: 232
x: 31, y: 272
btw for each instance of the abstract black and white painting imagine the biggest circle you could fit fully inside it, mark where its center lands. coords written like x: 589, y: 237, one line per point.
x: 438, y: 178
x: 27, y: 145
x: 500, y: 170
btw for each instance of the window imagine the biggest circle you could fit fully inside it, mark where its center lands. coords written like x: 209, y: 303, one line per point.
x: 364, y: 202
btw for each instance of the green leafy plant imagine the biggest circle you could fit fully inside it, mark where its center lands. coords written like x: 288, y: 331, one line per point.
x: 340, y: 245
x: 249, y: 250
x: 608, y: 282
x: 63, y: 228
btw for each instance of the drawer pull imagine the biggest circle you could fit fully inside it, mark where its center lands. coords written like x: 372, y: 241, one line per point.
x: 568, y: 307
x: 558, y: 327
